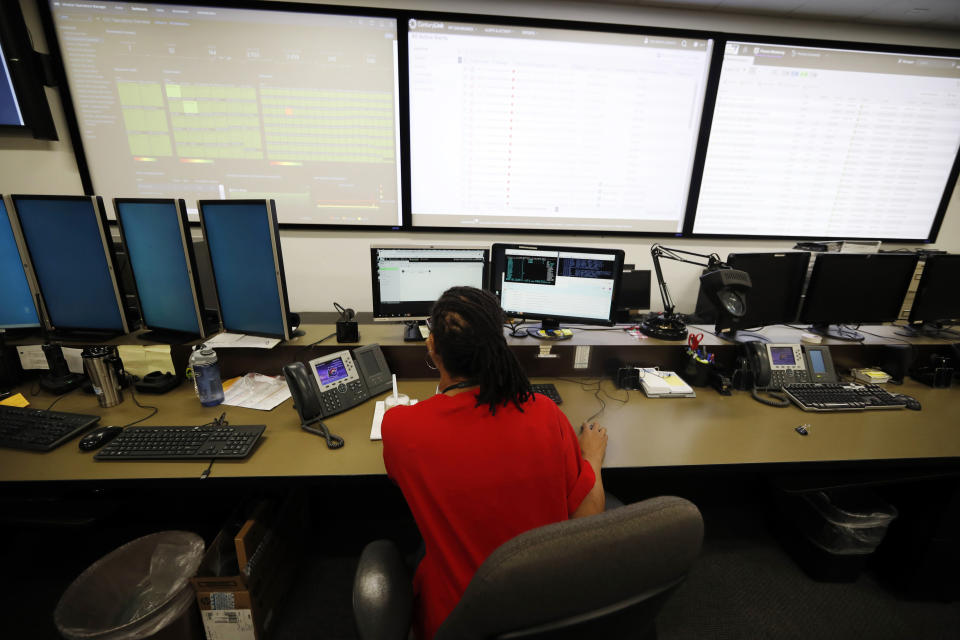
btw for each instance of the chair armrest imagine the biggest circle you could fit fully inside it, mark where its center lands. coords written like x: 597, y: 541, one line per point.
x: 382, y: 593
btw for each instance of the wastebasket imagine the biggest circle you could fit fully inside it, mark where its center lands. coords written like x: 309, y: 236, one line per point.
x: 140, y: 590
x: 832, y: 533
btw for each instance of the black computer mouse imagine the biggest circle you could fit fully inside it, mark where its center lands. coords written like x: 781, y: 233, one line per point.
x: 99, y: 437
x: 912, y: 403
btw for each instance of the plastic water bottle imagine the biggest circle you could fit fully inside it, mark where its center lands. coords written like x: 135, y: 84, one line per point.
x: 206, y: 376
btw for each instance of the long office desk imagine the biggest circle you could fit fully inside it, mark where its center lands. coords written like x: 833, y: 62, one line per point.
x: 709, y: 430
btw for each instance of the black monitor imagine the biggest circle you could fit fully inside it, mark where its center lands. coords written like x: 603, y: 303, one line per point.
x: 17, y: 303
x: 156, y: 236
x: 244, y: 243
x: 71, y: 253
x: 776, y: 286
x: 556, y: 284
x: 937, y: 302
x: 856, y: 289
x: 23, y: 99
x: 407, y: 281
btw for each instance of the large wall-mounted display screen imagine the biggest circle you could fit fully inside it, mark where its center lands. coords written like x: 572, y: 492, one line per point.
x: 200, y: 102
x: 527, y: 127
x: 830, y: 143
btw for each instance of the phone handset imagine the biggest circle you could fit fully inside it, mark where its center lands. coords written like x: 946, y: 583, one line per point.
x: 774, y: 365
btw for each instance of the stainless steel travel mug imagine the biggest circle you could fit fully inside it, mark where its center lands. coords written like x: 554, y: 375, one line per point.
x: 100, y: 363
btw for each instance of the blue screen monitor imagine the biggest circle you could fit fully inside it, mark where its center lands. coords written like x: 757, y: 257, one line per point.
x: 72, y: 257
x: 244, y: 244
x: 17, y: 309
x: 156, y: 236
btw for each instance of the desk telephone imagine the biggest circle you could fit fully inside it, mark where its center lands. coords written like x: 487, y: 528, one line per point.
x: 777, y: 365
x: 334, y: 383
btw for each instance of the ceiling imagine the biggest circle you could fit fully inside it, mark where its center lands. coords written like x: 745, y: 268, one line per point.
x: 930, y: 14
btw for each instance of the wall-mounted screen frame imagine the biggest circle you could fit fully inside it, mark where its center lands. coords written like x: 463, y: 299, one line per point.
x: 23, y: 99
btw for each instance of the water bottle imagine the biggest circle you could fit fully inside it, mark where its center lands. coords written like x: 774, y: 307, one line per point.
x: 206, y: 376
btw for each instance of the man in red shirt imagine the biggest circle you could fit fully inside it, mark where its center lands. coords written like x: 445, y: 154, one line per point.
x: 485, y: 459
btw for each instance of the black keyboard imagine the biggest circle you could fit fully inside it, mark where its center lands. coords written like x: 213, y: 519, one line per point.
x: 40, y: 430
x: 817, y: 396
x: 548, y: 390
x: 182, y: 443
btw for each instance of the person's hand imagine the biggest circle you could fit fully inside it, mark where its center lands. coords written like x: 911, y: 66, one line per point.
x: 593, y: 442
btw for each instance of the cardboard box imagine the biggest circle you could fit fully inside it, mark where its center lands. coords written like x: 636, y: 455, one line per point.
x: 243, y: 577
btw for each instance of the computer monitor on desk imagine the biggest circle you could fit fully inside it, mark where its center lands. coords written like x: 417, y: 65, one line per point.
x: 17, y: 306
x: 156, y: 237
x: 774, y: 298
x: 407, y: 281
x: 71, y: 253
x: 937, y: 303
x: 556, y: 284
x: 856, y: 289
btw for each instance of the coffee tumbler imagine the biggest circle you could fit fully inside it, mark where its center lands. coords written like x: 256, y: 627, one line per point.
x: 102, y: 365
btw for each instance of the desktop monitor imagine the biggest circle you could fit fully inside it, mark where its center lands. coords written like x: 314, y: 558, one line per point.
x: 777, y: 281
x: 71, y: 253
x: 244, y: 244
x: 156, y: 236
x: 520, y: 124
x: 17, y: 307
x: 408, y: 280
x: 556, y: 284
x: 295, y: 102
x: 830, y: 142
x: 937, y: 302
x: 856, y: 289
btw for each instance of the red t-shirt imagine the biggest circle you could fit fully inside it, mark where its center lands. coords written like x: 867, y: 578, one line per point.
x: 475, y: 480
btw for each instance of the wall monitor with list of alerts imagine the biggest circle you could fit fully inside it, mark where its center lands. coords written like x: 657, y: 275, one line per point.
x: 521, y: 126
x: 556, y: 284
x: 293, y: 102
x: 407, y: 281
x: 856, y: 289
x: 830, y: 143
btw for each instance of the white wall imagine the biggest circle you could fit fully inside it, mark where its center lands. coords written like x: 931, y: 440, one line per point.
x: 324, y: 266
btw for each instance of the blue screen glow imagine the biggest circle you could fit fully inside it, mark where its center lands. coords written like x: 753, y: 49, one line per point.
x: 66, y: 250
x: 155, y: 248
x: 16, y: 302
x: 238, y: 235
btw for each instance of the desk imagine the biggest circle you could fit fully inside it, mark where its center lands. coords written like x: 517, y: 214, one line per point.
x: 671, y: 432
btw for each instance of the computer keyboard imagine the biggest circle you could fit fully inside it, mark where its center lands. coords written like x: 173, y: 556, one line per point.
x: 182, y: 443
x: 38, y: 429
x: 816, y: 396
x: 548, y: 390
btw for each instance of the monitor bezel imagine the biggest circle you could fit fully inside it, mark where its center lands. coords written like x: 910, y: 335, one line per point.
x: 817, y: 275
x: 710, y: 108
x: 918, y: 317
x: 106, y: 243
x: 797, y: 284
x: 186, y: 242
x: 498, y: 265
x: 26, y: 265
x: 379, y: 316
x: 270, y: 209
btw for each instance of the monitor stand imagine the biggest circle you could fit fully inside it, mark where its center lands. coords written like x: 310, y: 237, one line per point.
x: 837, y: 332
x: 163, y: 336
x: 60, y: 380
x: 414, y: 331
x: 91, y: 336
x: 549, y: 329
x: 927, y: 329
x: 738, y: 337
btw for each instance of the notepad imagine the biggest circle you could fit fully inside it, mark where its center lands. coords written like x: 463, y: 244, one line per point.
x: 664, y: 384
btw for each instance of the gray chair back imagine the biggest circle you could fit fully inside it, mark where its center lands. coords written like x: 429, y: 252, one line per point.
x: 605, y: 576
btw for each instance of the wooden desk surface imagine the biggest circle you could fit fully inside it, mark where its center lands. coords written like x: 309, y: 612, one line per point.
x: 707, y: 430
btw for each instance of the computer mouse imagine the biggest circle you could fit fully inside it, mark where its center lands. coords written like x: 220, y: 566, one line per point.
x: 912, y: 403
x: 99, y: 437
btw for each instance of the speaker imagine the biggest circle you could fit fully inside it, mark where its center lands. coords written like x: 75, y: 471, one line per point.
x: 896, y: 360
x: 634, y: 294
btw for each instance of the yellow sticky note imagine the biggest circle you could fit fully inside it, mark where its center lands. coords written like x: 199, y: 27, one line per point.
x: 15, y: 401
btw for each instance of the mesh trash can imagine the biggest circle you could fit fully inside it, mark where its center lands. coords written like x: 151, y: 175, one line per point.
x: 831, y: 534
x: 140, y: 590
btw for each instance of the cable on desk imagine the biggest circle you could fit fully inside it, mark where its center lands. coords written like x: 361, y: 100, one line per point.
x: 206, y: 472
x: 514, y: 327
x: 142, y: 406
x: 50, y: 406
x: 597, y: 391
x: 313, y: 344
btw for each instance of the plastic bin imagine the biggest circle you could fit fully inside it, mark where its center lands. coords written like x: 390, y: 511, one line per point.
x: 831, y: 533
x: 140, y: 590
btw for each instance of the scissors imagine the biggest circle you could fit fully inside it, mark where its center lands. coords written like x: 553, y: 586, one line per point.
x: 694, y: 340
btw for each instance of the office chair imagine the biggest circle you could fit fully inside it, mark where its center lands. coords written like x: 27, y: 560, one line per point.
x: 605, y: 576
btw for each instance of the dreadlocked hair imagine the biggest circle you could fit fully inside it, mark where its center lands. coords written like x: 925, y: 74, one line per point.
x: 467, y: 328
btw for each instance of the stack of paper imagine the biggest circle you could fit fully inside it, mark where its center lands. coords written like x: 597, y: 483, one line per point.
x: 664, y: 384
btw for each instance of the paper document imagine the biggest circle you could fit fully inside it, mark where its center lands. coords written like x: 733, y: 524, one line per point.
x: 143, y: 359
x: 240, y: 340
x: 664, y: 384
x: 378, y: 412
x: 256, y: 391
x: 32, y: 357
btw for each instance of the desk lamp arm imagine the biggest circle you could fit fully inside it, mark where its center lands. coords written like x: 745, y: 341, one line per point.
x: 658, y: 251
